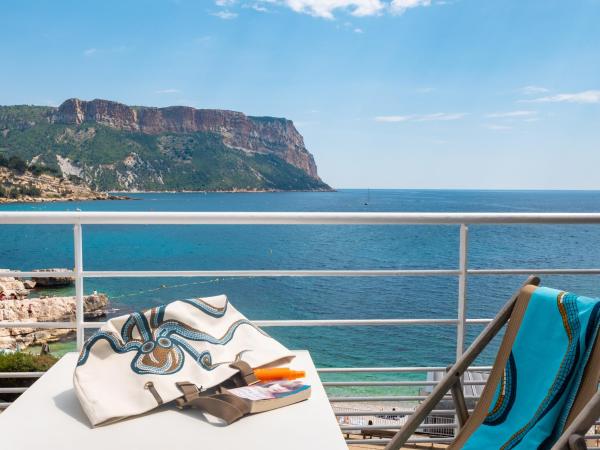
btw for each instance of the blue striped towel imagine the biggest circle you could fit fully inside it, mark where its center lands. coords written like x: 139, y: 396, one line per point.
x: 543, y: 373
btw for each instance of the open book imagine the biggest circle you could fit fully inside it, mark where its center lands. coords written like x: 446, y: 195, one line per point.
x: 275, y: 394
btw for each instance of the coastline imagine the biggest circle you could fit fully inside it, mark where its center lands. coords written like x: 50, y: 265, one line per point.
x: 122, y: 195
x: 12, y: 201
x: 224, y: 191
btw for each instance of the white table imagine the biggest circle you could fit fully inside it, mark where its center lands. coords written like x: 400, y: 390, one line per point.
x: 48, y: 416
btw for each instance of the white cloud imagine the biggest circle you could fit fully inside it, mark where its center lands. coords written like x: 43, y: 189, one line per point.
x: 512, y: 114
x: 168, y: 91
x: 421, y: 117
x: 326, y: 8
x: 441, y: 116
x: 399, y: 6
x: 358, y: 30
x: 257, y: 7
x: 88, y: 52
x: 393, y: 118
x: 225, y: 15
x: 496, y: 127
x: 532, y: 90
x: 578, y: 97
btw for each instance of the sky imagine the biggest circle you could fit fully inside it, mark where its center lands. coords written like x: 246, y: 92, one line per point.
x: 477, y: 94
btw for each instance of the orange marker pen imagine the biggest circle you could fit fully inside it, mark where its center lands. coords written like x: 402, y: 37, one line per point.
x: 278, y: 373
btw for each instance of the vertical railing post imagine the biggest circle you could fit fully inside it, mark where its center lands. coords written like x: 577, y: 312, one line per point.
x: 462, y: 289
x: 463, y: 250
x: 78, y: 253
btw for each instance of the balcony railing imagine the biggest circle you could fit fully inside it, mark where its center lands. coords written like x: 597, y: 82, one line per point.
x: 462, y: 272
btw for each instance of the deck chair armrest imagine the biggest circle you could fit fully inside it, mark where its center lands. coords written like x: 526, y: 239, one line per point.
x: 580, y: 425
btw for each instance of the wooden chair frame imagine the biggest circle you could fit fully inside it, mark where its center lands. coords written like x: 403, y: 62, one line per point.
x: 572, y: 437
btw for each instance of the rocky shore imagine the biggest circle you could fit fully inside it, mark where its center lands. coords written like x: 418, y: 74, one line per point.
x: 16, y: 306
x: 49, y: 309
x: 31, y: 188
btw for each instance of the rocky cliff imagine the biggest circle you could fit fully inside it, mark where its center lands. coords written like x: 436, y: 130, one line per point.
x: 251, y: 134
x: 114, y: 147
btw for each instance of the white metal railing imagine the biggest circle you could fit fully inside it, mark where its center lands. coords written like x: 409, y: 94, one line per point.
x: 462, y: 272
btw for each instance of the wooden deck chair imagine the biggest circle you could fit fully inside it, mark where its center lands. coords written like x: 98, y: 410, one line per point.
x: 585, y: 410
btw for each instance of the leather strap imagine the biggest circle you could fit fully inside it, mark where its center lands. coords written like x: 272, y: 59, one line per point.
x: 190, y: 392
x: 245, y: 372
x: 227, y: 407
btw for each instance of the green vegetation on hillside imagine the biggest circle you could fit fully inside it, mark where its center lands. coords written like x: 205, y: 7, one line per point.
x: 117, y: 160
x: 23, y: 115
x: 19, y: 166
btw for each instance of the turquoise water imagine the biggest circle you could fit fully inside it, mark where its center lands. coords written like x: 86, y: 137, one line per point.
x: 324, y: 247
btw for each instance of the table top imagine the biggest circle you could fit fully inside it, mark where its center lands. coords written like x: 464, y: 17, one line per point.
x: 48, y: 415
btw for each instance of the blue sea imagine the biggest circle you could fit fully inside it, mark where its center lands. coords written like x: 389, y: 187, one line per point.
x: 211, y: 247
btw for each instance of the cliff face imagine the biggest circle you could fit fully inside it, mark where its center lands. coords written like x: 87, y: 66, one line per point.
x: 108, y: 146
x: 263, y: 135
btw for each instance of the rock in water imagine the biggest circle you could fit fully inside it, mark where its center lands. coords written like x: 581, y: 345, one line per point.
x: 53, y: 281
x: 11, y: 284
x: 12, y: 288
x: 49, y: 309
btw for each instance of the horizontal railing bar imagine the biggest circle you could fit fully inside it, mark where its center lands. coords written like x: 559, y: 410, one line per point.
x: 351, y: 322
x: 395, y: 383
x: 293, y: 273
x: 399, y: 412
x: 91, y: 325
x: 369, y: 441
x: 21, y: 374
x: 410, y: 441
x: 396, y: 369
x: 291, y: 218
x: 37, y: 325
x: 269, y: 273
x: 12, y: 390
x: 535, y: 271
x: 18, y: 274
x: 336, y: 322
x: 424, y: 426
x: 479, y: 321
x: 389, y: 398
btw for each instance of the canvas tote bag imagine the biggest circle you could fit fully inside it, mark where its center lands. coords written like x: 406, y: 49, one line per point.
x: 137, y: 362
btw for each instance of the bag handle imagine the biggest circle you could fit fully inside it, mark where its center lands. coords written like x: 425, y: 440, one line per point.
x: 245, y: 372
x: 227, y: 407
